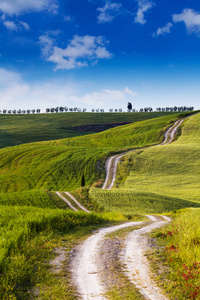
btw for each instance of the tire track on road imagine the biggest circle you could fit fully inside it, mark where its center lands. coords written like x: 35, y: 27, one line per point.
x: 87, y: 276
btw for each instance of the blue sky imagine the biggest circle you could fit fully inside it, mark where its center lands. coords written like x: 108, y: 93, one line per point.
x: 99, y: 54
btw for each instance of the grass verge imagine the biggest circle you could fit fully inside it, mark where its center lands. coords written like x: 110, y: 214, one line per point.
x: 177, y: 258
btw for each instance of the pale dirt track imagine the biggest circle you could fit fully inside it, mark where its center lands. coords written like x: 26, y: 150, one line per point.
x: 77, y: 203
x: 87, y: 265
x: 137, y: 265
x: 81, y: 207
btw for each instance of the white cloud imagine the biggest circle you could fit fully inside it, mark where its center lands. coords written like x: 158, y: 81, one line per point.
x: 129, y: 92
x: 108, y: 12
x: 163, y: 30
x: 47, y: 43
x: 12, y: 87
x: 10, y: 25
x: 17, y: 7
x: 17, y: 94
x: 190, y: 17
x: 80, y: 51
x: 106, y: 97
x: 143, y: 7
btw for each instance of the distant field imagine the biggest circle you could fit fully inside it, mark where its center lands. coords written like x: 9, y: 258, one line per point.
x: 59, y: 165
x: 171, y: 170
x: 20, y: 129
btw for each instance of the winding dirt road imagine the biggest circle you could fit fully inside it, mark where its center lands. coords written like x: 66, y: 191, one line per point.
x: 87, y: 274
x: 112, y: 162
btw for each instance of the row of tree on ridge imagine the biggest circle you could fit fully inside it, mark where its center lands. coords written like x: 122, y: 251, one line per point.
x: 75, y: 109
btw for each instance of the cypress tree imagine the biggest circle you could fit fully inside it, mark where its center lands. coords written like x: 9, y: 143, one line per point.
x: 83, y: 180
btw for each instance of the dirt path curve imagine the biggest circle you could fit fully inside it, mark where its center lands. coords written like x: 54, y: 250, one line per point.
x: 85, y: 272
x: 136, y: 263
x: 74, y: 200
x: 77, y: 203
x: 112, y: 162
x: 170, y: 133
x: 66, y: 201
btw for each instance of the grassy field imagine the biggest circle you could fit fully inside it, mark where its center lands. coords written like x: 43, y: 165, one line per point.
x: 131, y: 202
x: 59, y: 165
x: 41, y: 199
x: 28, y: 237
x: 20, y: 129
x: 171, y: 170
x: 180, y: 255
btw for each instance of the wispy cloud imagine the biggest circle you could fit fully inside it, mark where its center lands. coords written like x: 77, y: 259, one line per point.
x: 24, y: 25
x: 108, y: 12
x: 163, y: 30
x: 17, y: 7
x: 191, y: 18
x: 143, y: 7
x: 68, y: 18
x: 15, y: 26
x: 81, y: 51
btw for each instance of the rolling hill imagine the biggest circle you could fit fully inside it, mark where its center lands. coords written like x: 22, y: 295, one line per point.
x: 59, y: 164
x: 21, y: 129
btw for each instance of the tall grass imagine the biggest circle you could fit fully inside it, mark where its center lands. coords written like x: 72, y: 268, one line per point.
x: 28, y: 237
x: 22, y: 223
x: 181, y: 241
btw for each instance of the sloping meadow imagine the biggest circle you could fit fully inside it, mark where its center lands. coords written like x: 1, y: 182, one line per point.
x: 59, y: 165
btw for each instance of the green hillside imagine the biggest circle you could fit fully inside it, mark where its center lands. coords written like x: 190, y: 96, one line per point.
x: 34, y: 221
x: 41, y: 199
x: 59, y: 165
x: 20, y: 129
x: 171, y: 170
